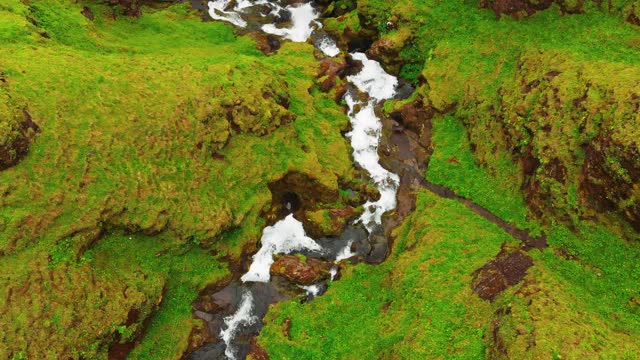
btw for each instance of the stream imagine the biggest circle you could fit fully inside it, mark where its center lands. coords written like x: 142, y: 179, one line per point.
x: 245, y: 302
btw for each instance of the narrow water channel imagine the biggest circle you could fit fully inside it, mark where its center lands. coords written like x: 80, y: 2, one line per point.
x: 248, y: 299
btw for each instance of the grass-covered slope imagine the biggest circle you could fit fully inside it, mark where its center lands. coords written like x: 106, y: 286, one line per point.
x: 556, y: 93
x: 417, y: 304
x: 579, y: 299
x: 533, y: 119
x: 158, y: 137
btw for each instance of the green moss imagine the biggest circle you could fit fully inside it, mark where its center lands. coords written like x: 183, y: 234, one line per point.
x: 454, y: 165
x: 417, y: 304
x: 130, y: 112
x: 589, y: 278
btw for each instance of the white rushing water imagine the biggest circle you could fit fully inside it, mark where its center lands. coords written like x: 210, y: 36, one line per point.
x: 304, y: 20
x: 217, y: 11
x: 303, y: 23
x: 242, y: 317
x: 288, y: 235
x: 328, y: 46
x: 312, y: 290
x: 365, y: 136
x: 284, y: 237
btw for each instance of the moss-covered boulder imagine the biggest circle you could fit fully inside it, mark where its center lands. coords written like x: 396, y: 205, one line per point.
x: 17, y: 129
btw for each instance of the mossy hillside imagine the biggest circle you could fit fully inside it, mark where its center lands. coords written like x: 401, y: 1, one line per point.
x: 9, y: 120
x: 127, y: 139
x: 456, y: 167
x: 595, y: 269
x: 418, y: 303
x: 579, y: 298
x: 544, y: 88
x: 574, y: 303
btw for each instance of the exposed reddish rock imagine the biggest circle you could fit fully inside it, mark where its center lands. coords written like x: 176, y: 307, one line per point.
x: 86, y: 12
x: 507, y: 269
x: 329, y: 71
x: 266, y: 43
x: 516, y: 8
x: 609, y: 184
x: 303, y: 272
x: 256, y: 352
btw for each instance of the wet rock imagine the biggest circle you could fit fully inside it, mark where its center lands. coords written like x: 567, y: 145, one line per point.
x: 329, y: 72
x: 417, y: 116
x: 387, y: 52
x: 266, y: 43
x: 301, y: 270
x: 507, y: 269
x: 213, y: 351
x: 379, y: 243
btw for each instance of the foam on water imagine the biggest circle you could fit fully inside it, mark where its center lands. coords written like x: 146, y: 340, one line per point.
x: 303, y: 23
x: 312, y: 290
x: 242, y: 317
x: 333, y: 272
x: 217, y: 12
x: 345, y: 253
x: 328, y: 46
x: 373, y: 80
x: 284, y: 237
x: 365, y: 138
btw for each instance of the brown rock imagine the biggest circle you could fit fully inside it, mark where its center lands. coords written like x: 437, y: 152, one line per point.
x: 507, y: 269
x: 329, y: 71
x: 416, y: 116
x: 303, y: 272
x: 516, y: 8
x: 86, y: 12
x: 256, y: 352
x: 297, y: 191
x: 268, y: 44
